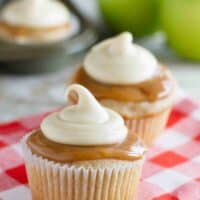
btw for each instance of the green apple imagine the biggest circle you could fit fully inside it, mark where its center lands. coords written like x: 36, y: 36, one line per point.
x: 137, y: 16
x: 181, y: 22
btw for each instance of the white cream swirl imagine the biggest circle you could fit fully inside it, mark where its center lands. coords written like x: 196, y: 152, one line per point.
x: 85, y: 123
x: 35, y: 13
x: 118, y: 61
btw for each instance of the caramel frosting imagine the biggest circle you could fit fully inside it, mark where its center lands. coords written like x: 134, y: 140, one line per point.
x: 35, y: 13
x: 29, y: 31
x: 84, y: 131
x: 158, y: 87
x: 117, y: 69
x: 130, y: 150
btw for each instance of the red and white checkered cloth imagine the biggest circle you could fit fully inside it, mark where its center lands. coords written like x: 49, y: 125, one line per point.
x: 171, y: 172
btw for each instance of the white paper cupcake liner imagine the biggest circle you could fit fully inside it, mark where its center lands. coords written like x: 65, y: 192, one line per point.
x: 149, y: 128
x: 87, y: 180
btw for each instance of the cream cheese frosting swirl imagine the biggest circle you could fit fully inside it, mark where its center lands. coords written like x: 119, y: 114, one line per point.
x: 85, y: 123
x: 35, y: 13
x: 118, y: 61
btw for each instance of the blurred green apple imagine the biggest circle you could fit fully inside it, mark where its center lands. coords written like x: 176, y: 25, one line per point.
x: 181, y: 22
x: 137, y: 16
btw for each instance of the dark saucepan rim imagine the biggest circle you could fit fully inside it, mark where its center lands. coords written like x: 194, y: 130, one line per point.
x: 85, y: 37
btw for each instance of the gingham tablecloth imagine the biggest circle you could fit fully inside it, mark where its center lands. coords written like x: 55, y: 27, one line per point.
x: 171, y: 172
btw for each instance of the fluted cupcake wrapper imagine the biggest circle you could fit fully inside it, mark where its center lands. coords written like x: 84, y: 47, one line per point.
x: 148, y: 128
x: 87, y: 180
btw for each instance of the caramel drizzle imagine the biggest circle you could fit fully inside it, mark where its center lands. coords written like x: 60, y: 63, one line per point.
x: 159, y: 87
x: 62, y: 153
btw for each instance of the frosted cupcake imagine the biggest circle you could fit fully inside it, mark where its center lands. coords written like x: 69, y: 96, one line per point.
x: 35, y: 21
x: 128, y: 79
x: 83, y: 152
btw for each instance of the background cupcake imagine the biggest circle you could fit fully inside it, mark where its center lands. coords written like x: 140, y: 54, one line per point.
x: 35, y: 21
x: 128, y: 79
x: 83, y: 152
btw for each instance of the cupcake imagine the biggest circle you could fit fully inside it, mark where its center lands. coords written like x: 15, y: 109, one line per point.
x: 83, y: 152
x: 35, y: 21
x: 128, y: 79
